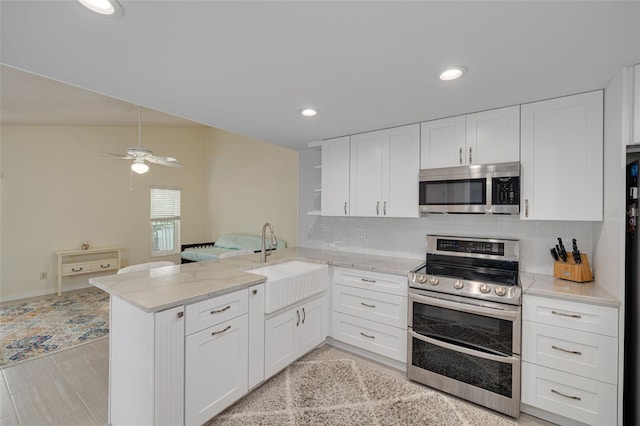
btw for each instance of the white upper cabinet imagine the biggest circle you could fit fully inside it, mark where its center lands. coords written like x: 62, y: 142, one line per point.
x: 335, y: 177
x: 481, y: 138
x: 493, y: 136
x: 561, y: 158
x: 636, y: 105
x: 384, y: 172
x: 442, y: 143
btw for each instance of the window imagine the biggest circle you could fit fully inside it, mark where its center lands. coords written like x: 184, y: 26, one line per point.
x: 165, y: 221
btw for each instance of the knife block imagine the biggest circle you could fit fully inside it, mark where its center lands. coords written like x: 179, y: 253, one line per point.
x: 571, y: 271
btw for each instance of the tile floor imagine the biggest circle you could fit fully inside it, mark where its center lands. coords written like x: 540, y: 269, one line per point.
x: 70, y: 388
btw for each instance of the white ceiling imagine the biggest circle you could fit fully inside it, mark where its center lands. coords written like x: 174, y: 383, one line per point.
x: 247, y: 67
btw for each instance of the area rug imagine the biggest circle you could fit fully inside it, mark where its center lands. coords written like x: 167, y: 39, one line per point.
x: 37, y: 327
x: 329, y: 387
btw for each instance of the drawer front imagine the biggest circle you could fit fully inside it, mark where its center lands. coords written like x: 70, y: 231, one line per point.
x: 213, y: 311
x: 372, y: 336
x: 76, y: 268
x: 105, y: 265
x: 586, y: 354
x: 389, y: 309
x: 585, y: 400
x: 573, y: 315
x: 385, y: 283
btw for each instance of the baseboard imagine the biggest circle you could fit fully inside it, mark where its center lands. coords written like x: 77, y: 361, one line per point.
x: 38, y: 293
x: 548, y: 416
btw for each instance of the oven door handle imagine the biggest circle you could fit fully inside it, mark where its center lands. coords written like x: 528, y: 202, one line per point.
x: 508, y: 315
x: 503, y: 359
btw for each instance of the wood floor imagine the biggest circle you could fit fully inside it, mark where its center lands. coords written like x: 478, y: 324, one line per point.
x: 65, y: 388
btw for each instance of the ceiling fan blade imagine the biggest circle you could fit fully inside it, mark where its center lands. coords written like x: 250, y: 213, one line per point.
x: 165, y: 161
x: 120, y: 156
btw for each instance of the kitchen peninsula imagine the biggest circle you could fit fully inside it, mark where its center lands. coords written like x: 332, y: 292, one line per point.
x: 162, y: 319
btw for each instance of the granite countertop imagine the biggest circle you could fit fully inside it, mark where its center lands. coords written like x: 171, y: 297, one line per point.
x: 550, y: 286
x: 164, y: 288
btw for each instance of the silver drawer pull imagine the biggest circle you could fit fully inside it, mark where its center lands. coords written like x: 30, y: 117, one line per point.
x: 221, y: 310
x: 366, y: 280
x: 367, y: 336
x: 367, y: 305
x: 566, y: 350
x: 566, y: 315
x: 577, y: 398
x: 227, y: 328
x: 108, y: 265
x: 76, y: 270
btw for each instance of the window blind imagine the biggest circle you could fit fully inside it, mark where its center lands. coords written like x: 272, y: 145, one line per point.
x: 165, y: 204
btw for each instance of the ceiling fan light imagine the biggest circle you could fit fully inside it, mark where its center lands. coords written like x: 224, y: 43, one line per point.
x: 139, y: 167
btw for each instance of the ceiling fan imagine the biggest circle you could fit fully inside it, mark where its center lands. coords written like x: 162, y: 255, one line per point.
x: 140, y: 155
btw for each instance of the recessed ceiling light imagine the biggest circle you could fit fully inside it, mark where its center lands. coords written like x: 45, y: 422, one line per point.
x: 451, y: 73
x: 103, y: 7
x: 308, y: 112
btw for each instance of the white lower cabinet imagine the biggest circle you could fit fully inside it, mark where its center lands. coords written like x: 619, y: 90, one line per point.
x: 570, y: 359
x: 293, y: 332
x: 370, y: 312
x: 216, y: 369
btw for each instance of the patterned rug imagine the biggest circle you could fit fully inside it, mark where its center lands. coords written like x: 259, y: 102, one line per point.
x: 44, y: 325
x: 328, y: 387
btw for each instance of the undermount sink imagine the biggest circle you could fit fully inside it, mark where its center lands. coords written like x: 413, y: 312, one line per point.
x: 291, y: 282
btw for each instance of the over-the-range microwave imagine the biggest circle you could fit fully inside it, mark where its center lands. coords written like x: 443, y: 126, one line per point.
x: 483, y: 188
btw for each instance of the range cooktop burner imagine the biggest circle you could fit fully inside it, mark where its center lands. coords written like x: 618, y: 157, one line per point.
x: 471, y: 267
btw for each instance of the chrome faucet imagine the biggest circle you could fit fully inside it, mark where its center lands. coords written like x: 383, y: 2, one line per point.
x: 274, y: 241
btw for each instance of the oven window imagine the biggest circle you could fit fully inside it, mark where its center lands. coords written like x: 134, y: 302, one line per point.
x: 477, y: 332
x: 493, y: 376
x: 454, y: 192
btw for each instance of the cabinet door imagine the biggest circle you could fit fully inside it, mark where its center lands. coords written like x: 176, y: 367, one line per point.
x: 402, y: 165
x: 312, y: 330
x: 216, y: 369
x: 561, y: 158
x: 280, y: 339
x: 256, y: 335
x: 169, y: 366
x: 335, y: 177
x: 636, y: 105
x: 442, y: 143
x: 493, y: 136
x: 366, y: 174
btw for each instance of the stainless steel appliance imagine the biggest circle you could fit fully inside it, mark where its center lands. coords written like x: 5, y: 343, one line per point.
x: 464, y: 333
x: 486, y: 188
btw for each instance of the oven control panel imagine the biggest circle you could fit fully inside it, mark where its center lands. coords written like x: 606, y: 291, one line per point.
x: 470, y: 246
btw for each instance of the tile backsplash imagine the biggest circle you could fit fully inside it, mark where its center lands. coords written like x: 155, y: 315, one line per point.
x: 405, y: 237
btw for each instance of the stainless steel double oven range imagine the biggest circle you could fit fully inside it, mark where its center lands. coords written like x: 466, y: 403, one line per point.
x: 465, y: 320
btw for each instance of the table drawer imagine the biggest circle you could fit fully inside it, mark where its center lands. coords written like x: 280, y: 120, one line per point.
x: 585, y: 400
x: 376, y: 281
x: 105, y: 265
x: 573, y: 315
x: 76, y: 268
x: 213, y: 311
x: 389, y: 309
x: 586, y: 354
x: 372, y: 336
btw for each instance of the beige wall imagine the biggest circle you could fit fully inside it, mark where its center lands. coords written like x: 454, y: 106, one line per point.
x: 57, y: 192
x: 250, y: 183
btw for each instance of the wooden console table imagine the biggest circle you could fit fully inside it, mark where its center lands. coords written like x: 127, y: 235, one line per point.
x: 77, y: 262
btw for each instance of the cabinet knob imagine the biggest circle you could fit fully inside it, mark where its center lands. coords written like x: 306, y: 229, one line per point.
x: 378, y: 208
x: 470, y: 156
x: 384, y: 208
x: 180, y: 314
x: 254, y: 291
x: 460, y: 155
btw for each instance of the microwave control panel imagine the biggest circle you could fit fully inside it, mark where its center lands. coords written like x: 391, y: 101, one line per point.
x: 505, y: 191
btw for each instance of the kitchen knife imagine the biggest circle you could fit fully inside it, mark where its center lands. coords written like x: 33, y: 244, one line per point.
x: 554, y: 254
x: 563, y: 255
x: 576, y: 253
